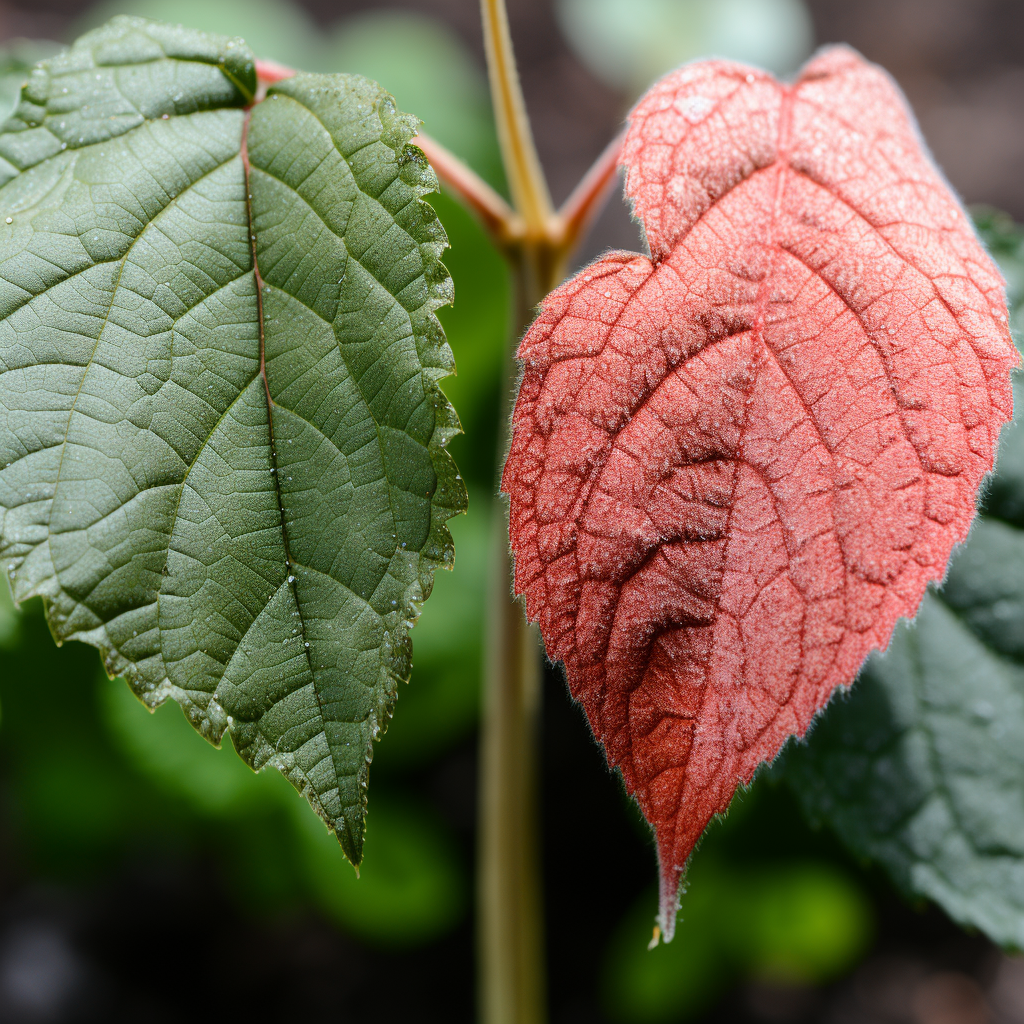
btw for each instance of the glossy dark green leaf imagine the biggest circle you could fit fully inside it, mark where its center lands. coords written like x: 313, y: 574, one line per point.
x: 222, y: 446
x: 921, y: 767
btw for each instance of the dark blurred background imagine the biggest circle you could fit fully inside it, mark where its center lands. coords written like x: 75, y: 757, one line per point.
x: 146, y: 877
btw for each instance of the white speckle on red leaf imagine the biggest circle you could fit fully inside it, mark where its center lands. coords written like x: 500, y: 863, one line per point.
x: 736, y: 464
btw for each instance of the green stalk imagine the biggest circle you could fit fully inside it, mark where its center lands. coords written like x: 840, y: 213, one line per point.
x: 511, y: 934
x: 512, y: 984
x: 537, y: 243
x: 519, y: 154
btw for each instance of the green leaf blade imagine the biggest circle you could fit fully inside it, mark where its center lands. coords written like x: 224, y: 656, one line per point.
x: 359, y: 428
x: 116, y: 78
x: 224, y: 449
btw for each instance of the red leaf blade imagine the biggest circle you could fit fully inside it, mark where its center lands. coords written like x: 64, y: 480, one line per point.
x: 736, y: 464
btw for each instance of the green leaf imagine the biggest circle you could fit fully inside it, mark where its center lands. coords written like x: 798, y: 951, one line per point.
x: 921, y: 767
x: 228, y: 475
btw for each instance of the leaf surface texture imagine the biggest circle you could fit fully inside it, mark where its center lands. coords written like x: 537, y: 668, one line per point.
x: 737, y: 461
x: 922, y: 767
x: 222, y: 447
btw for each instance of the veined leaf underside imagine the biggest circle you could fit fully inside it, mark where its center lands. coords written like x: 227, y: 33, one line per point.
x: 920, y: 768
x: 223, y: 441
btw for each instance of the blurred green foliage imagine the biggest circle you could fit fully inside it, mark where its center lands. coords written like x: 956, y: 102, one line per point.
x: 1005, y: 241
x: 629, y: 45
x: 10, y: 622
x: 766, y: 901
x: 409, y: 890
x: 790, y: 923
x: 15, y: 61
x: 275, y: 30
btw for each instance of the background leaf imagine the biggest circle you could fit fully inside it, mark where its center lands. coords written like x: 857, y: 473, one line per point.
x: 921, y: 766
x: 16, y: 62
x: 238, y: 494
x: 629, y: 45
x: 272, y: 29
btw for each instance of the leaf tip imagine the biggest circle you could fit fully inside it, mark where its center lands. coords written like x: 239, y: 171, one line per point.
x: 668, y: 904
x: 350, y: 835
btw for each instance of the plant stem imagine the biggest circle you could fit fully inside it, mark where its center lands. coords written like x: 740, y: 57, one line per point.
x: 562, y: 232
x: 511, y: 934
x: 580, y: 210
x: 512, y: 989
x: 522, y: 166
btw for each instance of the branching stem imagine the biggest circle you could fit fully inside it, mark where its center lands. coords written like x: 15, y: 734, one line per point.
x: 579, y: 211
x: 269, y: 71
x: 559, y: 235
x: 522, y: 166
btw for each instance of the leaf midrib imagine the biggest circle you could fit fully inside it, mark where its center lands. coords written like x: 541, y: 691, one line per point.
x: 290, y: 578
x: 394, y: 218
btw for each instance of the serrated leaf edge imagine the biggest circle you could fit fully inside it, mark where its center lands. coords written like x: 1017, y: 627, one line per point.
x: 438, y: 550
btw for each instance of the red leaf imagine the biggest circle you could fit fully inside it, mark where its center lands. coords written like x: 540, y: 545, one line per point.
x: 735, y: 464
